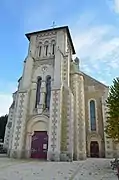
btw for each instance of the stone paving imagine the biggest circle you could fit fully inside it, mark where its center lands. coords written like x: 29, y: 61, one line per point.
x: 91, y: 169
x: 95, y: 169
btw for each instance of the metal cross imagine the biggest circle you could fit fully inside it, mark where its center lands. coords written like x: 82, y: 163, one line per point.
x: 53, y: 25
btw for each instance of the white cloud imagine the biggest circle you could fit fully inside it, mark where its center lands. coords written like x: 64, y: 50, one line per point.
x: 98, y: 49
x: 95, y: 42
x: 113, y: 5
x: 90, y: 37
x: 116, y: 6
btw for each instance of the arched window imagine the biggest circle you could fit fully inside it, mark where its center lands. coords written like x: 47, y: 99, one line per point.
x: 38, y: 91
x: 53, y: 47
x: 39, y: 49
x: 92, y: 115
x: 46, y: 48
x: 48, y: 92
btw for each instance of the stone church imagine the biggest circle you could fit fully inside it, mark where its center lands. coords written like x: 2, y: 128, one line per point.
x: 58, y: 112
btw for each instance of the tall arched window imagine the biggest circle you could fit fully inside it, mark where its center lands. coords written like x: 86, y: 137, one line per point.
x: 48, y: 92
x: 53, y: 47
x: 92, y: 115
x: 38, y: 91
x: 46, y: 48
x: 39, y: 49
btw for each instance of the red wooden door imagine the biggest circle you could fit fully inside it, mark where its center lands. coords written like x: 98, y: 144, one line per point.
x: 94, y: 149
x: 39, y: 145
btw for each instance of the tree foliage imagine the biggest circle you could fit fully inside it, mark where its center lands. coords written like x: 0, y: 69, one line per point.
x: 3, y: 122
x: 112, y: 126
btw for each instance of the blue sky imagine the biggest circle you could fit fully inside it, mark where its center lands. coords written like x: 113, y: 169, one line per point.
x: 94, y: 29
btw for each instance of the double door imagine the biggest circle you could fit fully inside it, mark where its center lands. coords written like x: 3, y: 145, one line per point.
x: 94, y: 149
x: 39, y: 145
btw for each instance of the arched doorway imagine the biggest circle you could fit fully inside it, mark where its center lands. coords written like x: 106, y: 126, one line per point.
x: 39, y: 145
x: 94, y: 149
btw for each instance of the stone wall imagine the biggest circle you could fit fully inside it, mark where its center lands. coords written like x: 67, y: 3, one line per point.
x: 94, y: 90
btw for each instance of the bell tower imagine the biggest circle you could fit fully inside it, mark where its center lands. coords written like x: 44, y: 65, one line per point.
x: 52, y: 51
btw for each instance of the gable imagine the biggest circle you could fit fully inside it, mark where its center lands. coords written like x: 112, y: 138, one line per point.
x: 90, y: 82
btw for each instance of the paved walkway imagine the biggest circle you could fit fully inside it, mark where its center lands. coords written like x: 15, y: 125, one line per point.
x: 91, y: 169
x: 95, y: 169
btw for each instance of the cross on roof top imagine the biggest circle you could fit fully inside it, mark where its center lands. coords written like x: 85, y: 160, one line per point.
x: 53, y: 24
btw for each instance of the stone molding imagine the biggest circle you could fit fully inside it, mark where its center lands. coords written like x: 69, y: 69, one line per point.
x: 50, y: 34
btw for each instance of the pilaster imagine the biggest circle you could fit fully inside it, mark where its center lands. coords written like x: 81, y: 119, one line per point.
x: 74, y: 84
x: 79, y: 117
x: 81, y: 120
x: 55, y: 126
x: 70, y: 125
x: 13, y: 125
x: 28, y: 145
x: 20, y: 125
x: 8, y: 128
x: 66, y: 125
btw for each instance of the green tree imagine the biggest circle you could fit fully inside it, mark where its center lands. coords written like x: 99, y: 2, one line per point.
x: 112, y: 126
x: 3, y: 122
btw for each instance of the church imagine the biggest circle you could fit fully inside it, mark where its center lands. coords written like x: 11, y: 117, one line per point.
x: 58, y: 112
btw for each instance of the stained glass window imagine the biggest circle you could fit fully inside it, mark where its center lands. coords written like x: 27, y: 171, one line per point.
x: 92, y: 115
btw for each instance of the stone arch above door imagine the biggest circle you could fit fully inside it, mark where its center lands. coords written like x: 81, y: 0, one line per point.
x: 94, y: 137
x: 38, y: 123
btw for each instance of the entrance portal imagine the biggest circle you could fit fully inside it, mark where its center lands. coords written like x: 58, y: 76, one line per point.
x: 39, y: 145
x: 94, y: 149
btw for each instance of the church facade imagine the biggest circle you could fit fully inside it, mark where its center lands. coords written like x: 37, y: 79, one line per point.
x: 58, y: 112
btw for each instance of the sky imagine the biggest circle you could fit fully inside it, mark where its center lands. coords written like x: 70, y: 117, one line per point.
x: 94, y: 27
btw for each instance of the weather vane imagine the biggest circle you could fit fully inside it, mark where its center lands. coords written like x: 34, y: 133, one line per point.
x: 53, y: 24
